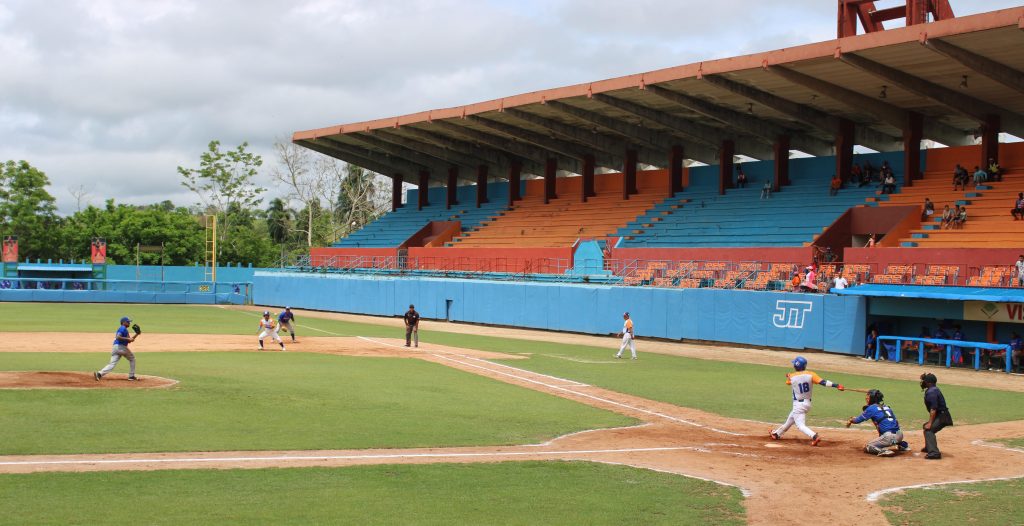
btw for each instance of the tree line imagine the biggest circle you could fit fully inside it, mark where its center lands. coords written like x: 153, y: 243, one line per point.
x: 331, y: 198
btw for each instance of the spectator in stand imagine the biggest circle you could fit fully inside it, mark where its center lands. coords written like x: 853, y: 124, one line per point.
x: 828, y: 256
x: 855, y: 173
x: 995, y: 359
x: 1019, y: 269
x: 741, y: 178
x: 980, y: 176
x: 796, y: 281
x: 835, y: 185
x: 871, y: 241
x: 912, y: 346
x: 958, y: 352
x: 995, y: 173
x: 884, y: 170
x: 839, y: 282
x: 960, y: 178
x: 940, y: 334
x: 1018, y: 207
x: 947, y: 217
x: 869, y: 171
x: 889, y: 184
x: 961, y: 218
x: 870, y: 343
x: 766, y: 190
x: 810, y: 282
x: 928, y: 211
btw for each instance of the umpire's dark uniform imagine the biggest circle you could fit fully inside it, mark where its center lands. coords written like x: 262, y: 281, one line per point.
x: 938, y: 415
x: 412, y: 326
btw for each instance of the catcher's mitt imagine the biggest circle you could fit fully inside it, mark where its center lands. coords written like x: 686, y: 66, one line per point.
x: 137, y: 329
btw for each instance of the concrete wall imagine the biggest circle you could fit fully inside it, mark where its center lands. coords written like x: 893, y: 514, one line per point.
x: 771, y: 319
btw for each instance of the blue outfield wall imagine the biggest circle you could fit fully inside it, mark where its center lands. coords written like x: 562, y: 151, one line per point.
x: 769, y: 319
x: 178, y: 273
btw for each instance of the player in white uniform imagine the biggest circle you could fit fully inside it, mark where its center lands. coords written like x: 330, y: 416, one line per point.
x: 802, y: 383
x: 268, y: 327
x: 627, y: 337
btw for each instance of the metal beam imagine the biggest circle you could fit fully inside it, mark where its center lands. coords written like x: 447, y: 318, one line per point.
x: 823, y: 121
x: 438, y: 152
x: 551, y: 144
x: 701, y: 133
x: 1001, y: 73
x: 353, y: 145
x: 762, y: 128
x: 410, y: 155
x: 381, y: 167
x: 607, y: 145
x: 970, y: 107
x: 639, y: 135
x: 888, y: 113
x: 511, y: 146
x: 490, y: 155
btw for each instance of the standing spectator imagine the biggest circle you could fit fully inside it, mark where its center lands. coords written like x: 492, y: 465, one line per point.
x: 995, y: 173
x: 810, y: 283
x: 928, y: 211
x: 795, y: 281
x: 412, y: 326
x: 835, y: 185
x: 766, y: 190
x: 947, y: 217
x: 839, y: 282
x: 871, y: 241
x: 627, y: 337
x: 980, y: 176
x: 855, y: 173
x: 1019, y: 269
x: 958, y: 352
x: 960, y: 178
x: 741, y: 178
x: 938, y: 415
x: 871, y: 343
x: 1018, y: 207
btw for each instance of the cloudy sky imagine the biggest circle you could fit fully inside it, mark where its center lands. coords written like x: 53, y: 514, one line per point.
x: 111, y: 96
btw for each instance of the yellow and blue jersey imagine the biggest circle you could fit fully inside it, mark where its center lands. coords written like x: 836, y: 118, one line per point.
x: 802, y: 382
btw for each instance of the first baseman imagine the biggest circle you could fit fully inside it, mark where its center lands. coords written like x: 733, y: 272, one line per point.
x: 121, y: 341
x: 802, y: 381
x: 268, y: 327
x: 889, y: 433
x: 627, y: 337
x: 284, y: 321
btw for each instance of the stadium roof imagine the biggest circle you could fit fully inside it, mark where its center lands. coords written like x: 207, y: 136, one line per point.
x: 956, y: 73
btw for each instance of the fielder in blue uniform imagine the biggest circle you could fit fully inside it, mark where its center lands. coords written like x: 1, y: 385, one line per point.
x: 121, y: 341
x: 889, y: 433
x: 284, y: 321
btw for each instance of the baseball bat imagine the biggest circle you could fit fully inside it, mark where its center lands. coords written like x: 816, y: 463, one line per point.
x: 854, y: 389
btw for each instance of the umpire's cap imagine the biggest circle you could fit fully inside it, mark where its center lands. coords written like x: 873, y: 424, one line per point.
x: 126, y: 319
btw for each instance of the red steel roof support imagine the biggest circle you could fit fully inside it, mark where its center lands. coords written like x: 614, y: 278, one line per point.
x: 914, y: 12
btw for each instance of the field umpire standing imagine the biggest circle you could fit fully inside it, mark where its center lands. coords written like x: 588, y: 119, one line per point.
x: 938, y: 415
x: 412, y: 326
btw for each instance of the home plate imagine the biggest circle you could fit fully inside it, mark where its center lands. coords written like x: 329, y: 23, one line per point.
x: 774, y: 445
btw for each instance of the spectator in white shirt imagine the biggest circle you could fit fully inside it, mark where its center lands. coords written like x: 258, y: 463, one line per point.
x: 839, y: 283
x: 1020, y: 270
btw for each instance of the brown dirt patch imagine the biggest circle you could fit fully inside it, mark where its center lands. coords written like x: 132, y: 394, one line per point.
x: 77, y: 380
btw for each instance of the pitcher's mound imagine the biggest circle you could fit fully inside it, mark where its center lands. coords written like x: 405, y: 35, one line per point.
x: 77, y: 380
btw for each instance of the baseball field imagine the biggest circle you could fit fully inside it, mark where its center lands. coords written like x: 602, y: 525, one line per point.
x: 478, y: 425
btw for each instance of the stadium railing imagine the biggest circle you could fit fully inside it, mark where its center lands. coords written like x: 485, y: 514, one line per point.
x: 243, y: 289
x: 947, y: 346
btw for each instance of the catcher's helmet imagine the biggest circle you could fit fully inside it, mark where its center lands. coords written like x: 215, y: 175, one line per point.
x: 799, y: 363
x: 875, y: 396
x: 266, y: 313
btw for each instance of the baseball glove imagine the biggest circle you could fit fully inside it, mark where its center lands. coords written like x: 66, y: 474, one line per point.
x: 136, y: 329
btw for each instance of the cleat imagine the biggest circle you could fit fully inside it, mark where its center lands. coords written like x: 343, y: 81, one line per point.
x: 886, y: 453
x: 816, y: 440
x: 774, y: 435
x: 904, y: 446
x: 617, y: 356
x: 133, y: 379
x: 96, y: 376
x: 933, y: 456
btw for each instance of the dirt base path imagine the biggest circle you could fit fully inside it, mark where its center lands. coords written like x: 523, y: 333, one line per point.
x: 777, y: 477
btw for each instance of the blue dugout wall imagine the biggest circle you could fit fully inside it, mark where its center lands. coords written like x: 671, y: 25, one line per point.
x: 770, y: 319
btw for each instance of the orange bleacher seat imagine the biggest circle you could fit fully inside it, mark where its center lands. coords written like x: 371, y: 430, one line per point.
x: 715, y: 265
x: 633, y: 280
x: 688, y: 283
x: 662, y: 282
x: 702, y: 274
x: 827, y: 270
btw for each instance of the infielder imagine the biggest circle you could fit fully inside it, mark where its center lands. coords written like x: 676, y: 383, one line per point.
x: 627, y: 337
x: 284, y: 321
x: 802, y: 382
x: 121, y: 341
x: 268, y: 327
x: 889, y: 433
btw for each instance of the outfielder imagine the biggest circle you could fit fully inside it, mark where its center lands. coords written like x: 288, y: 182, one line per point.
x: 284, y: 321
x: 627, y: 337
x: 121, y: 341
x: 802, y: 382
x: 888, y: 427
x: 268, y: 327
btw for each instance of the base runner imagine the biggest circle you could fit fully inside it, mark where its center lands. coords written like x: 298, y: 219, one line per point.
x: 268, y: 327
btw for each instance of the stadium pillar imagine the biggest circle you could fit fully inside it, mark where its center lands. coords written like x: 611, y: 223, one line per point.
x: 725, y: 155
x: 675, y: 169
x: 780, y: 149
x: 481, y: 185
x: 913, y: 132
x: 844, y: 149
x: 550, y: 173
x: 588, y: 178
x: 629, y: 174
x: 424, y: 189
x: 515, y: 170
x: 453, y: 186
x: 396, y: 192
x: 989, y: 140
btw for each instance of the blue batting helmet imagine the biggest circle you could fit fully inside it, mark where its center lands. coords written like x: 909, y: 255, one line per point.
x: 799, y: 363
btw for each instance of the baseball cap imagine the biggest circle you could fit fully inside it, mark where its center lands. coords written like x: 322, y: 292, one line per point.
x: 126, y: 318
x: 412, y: 306
x: 266, y: 313
x: 287, y: 308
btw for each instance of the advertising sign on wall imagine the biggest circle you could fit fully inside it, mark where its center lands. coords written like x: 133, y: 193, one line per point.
x: 994, y: 311
x: 10, y: 249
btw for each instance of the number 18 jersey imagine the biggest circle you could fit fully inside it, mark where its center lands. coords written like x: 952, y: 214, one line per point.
x: 802, y: 382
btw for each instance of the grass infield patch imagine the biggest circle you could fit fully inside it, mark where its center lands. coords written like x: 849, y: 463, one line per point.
x: 271, y: 401
x: 508, y: 493
x: 998, y: 503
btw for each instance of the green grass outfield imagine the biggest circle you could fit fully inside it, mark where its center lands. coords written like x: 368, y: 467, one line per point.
x: 514, y: 493
x: 996, y: 503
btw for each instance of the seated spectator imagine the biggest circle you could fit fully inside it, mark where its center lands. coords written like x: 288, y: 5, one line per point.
x: 884, y: 170
x: 869, y: 171
x: 766, y: 190
x: 889, y: 184
x: 995, y: 359
x: 870, y: 343
x: 995, y: 173
x: 961, y: 218
x: 980, y: 176
x: 835, y: 185
x: 939, y: 334
x: 928, y: 210
x: 947, y: 217
x: 960, y: 178
x: 741, y: 178
x: 1018, y: 207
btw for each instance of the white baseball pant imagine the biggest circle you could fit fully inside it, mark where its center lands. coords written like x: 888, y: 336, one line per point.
x: 115, y: 356
x: 798, y: 416
x: 627, y: 341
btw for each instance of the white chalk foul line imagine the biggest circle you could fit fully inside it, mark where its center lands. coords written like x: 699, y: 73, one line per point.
x: 389, y: 456
x: 743, y: 491
x: 597, y: 398
x: 874, y: 496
